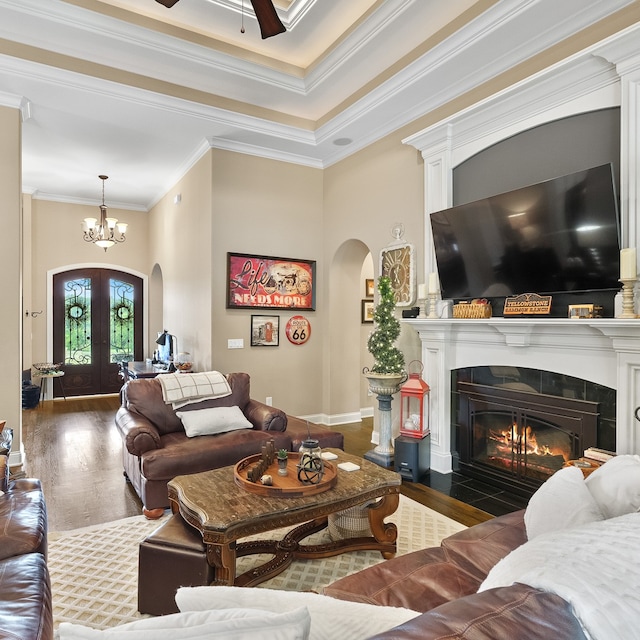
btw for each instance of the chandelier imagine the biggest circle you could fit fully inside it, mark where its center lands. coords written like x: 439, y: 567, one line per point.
x: 106, y: 232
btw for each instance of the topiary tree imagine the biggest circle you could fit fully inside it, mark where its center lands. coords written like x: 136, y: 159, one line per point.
x: 387, y: 358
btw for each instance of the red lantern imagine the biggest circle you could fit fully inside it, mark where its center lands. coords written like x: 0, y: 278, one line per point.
x: 414, y: 407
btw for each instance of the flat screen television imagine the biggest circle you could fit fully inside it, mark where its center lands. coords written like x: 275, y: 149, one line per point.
x: 557, y: 236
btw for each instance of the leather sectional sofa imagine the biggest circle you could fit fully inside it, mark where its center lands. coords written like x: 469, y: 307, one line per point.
x: 442, y: 583
x: 25, y: 590
x: 156, y: 447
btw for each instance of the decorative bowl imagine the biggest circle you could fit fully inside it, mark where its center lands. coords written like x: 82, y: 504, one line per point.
x: 48, y: 367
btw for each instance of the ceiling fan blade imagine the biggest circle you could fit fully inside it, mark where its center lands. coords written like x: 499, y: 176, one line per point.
x: 167, y: 3
x: 270, y: 24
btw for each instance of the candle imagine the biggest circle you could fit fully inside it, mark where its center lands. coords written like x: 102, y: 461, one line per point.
x: 433, y: 282
x: 422, y: 291
x: 628, y: 268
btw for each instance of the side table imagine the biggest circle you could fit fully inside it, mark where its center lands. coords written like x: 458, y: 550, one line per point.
x: 44, y: 376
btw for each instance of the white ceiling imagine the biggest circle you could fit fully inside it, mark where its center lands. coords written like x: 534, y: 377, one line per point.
x: 137, y: 91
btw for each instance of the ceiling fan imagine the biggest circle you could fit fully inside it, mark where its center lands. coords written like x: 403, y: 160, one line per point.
x: 270, y: 24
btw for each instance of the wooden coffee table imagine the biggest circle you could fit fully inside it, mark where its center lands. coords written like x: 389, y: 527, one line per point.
x: 224, y: 512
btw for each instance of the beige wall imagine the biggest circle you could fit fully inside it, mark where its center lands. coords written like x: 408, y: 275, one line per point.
x: 272, y: 208
x: 244, y: 204
x: 180, y: 250
x: 364, y: 196
x: 10, y: 267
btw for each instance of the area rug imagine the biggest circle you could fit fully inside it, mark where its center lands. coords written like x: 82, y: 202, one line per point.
x: 94, y: 570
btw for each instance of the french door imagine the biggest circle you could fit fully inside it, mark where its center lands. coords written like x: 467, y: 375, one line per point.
x: 97, y: 323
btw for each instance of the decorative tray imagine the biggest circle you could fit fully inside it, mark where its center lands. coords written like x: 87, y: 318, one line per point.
x: 283, y: 486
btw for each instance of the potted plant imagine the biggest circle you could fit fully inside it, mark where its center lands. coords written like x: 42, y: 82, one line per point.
x: 387, y: 373
x: 283, y: 459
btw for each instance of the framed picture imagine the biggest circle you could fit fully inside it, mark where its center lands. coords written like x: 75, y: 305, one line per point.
x: 265, y: 331
x: 367, y: 311
x: 369, y: 288
x: 263, y: 282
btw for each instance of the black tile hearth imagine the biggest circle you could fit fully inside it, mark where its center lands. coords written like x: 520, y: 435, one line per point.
x: 474, y: 492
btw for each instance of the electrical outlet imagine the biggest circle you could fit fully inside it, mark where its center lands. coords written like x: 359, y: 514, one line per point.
x: 235, y: 343
x: 269, y: 401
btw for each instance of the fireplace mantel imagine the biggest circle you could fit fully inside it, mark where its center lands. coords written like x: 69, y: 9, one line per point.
x: 604, y: 351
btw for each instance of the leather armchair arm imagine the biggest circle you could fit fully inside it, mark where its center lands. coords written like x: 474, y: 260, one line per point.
x: 139, y: 434
x: 265, y: 418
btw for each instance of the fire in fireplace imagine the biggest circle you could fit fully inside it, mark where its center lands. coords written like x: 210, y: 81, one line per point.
x: 516, y: 438
x: 532, y: 448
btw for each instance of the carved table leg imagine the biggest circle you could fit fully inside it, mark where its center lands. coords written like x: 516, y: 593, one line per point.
x: 385, y: 532
x: 222, y: 557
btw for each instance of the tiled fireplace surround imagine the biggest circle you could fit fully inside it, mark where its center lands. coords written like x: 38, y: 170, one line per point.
x: 604, y: 351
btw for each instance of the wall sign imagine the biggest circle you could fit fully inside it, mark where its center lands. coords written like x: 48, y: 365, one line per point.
x: 298, y: 330
x: 262, y: 282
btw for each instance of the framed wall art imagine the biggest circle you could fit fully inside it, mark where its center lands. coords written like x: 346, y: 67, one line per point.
x: 369, y: 288
x: 265, y: 331
x: 264, y: 282
x: 367, y: 311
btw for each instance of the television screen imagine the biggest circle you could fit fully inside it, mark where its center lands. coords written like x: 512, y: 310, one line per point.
x: 557, y: 236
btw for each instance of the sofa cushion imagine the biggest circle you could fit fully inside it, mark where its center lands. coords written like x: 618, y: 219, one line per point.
x: 561, y: 502
x: 23, y: 515
x: 226, y: 624
x: 180, y: 455
x: 477, y: 549
x: 420, y: 581
x: 144, y: 396
x: 25, y: 598
x: 509, y: 612
x: 615, y: 485
x: 214, y: 420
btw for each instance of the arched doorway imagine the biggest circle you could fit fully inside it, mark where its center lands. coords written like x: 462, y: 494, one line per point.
x: 97, y: 323
x: 347, y: 333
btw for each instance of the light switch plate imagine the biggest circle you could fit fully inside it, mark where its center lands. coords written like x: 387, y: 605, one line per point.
x: 235, y: 343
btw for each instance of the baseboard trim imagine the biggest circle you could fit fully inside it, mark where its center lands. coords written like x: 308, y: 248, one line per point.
x: 333, y: 420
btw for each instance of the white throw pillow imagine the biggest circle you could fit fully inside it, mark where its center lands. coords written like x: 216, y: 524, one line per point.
x: 330, y: 617
x: 563, y: 501
x: 225, y: 624
x: 203, y: 422
x: 615, y: 485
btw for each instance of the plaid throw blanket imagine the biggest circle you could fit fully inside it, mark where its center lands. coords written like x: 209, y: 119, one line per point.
x: 179, y: 389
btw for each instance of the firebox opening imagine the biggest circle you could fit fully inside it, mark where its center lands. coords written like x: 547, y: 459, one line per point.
x: 514, y: 427
x: 534, y: 449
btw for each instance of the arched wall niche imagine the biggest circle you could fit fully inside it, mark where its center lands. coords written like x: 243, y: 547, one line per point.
x: 155, y: 305
x: 346, y: 334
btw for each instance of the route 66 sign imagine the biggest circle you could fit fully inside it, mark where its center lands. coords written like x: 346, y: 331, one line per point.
x: 298, y: 330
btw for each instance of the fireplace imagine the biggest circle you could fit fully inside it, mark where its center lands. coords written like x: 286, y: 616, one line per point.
x: 600, y: 351
x: 514, y: 437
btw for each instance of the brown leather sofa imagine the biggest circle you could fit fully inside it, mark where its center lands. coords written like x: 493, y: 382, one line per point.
x: 442, y: 582
x: 25, y: 589
x: 156, y: 447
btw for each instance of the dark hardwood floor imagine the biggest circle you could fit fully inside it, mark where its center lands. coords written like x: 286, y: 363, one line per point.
x: 73, y: 447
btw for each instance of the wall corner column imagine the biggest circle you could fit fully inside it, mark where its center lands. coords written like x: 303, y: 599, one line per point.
x: 11, y: 269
